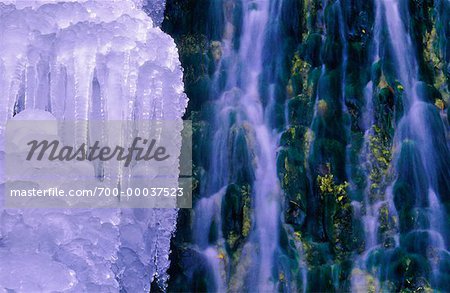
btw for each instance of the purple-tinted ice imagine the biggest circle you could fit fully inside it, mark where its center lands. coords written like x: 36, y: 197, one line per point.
x: 84, y: 60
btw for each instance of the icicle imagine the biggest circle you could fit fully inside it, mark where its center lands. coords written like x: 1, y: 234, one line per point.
x: 87, y: 60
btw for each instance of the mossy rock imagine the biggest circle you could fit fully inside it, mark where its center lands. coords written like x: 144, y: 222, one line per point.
x: 235, y: 215
x: 287, y: 244
x: 386, y: 97
x: 376, y: 72
x: 190, y: 272
x: 311, y: 48
x: 200, y: 141
x: 403, y: 196
x: 241, y: 153
x: 389, y: 69
x: 375, y: 259
x: 406, y: 220
x: 357, y: 51
x: 198, y: 91
x: 411, y: 188
x: 387, y: 227
x: 330, y: 89
x: 359, y: 236
x: 300, y: 110
x: 295, y: 214
x: 332, y: 53
x: 343, y: 242
x: 293, y: 137
x: 409, y: 271
x: 428, y: 93
x: 329, y: 151
x: 316, y: 253
x: 385, y: 109
x: 294, y: 181
x: 320, y: 279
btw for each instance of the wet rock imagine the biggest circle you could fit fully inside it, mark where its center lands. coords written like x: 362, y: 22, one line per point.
x: 311, y: 48
x: 235, y: 215
x: 300, y: 110
x: 428, y: 92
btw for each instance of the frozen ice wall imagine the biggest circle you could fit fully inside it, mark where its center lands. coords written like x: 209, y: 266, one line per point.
x: 83, y: 60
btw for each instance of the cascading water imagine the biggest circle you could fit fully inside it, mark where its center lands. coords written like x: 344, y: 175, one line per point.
x: 370, y: 211
x: 208, y: 213
x: 244, y: 148
x: 413, y: 201
x: 423, y: 156
x: 290, y: 100
x: 362, y: 157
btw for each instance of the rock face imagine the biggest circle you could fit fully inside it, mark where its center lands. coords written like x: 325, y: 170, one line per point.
x: 80, y: 60
x: 361, y: 96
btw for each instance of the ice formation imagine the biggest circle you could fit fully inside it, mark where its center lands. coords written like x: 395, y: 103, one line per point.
x: 86, y: 60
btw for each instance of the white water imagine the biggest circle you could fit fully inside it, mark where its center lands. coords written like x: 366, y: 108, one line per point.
x: 388, y: 14
x: 415, y: 121
x: 403, y: 48
x: 370, y: 219
x: 414, y: 126
x: 208, y: 212
x: 266, y: 186
x: 86, y: 60
x: 241, y: 100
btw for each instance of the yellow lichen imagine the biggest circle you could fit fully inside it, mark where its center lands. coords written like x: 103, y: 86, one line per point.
x: 327, y: 186
x: 440, y: 104
x: 232, y: 239
x: 221, y: 255
x: 246, y: 226
x: 302, y: 68
x: 434, y: 59
x: 322, y: 107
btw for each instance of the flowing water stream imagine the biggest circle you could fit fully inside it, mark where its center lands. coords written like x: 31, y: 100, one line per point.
x: 326, y: 165
x: 422, y: 147
x: 420, y: 152
x: 241, y: 113
x: 348, y: 190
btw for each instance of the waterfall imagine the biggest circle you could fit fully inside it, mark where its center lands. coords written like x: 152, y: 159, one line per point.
x: 372, y: 206
x: 244, y: 146
x: 321, y: 143
x: 362, y: 159
x: 413, y: 200
x: 423, y: 152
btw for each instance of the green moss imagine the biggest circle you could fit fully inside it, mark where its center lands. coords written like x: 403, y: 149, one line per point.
x: 300, y: 79
x: 236, y: 216
x: 247, y: 214
x: 300, y: 110
x: 291, y: 166
x: 380, y: 157
x: 232, y: 239
x: 311, y: 48
x: 328, y: 187
x: 387, y: 227
x: 337, y: 215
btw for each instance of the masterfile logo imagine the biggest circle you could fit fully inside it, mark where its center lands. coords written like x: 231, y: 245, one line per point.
x: 145, y: 164
x: 52, y: 151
